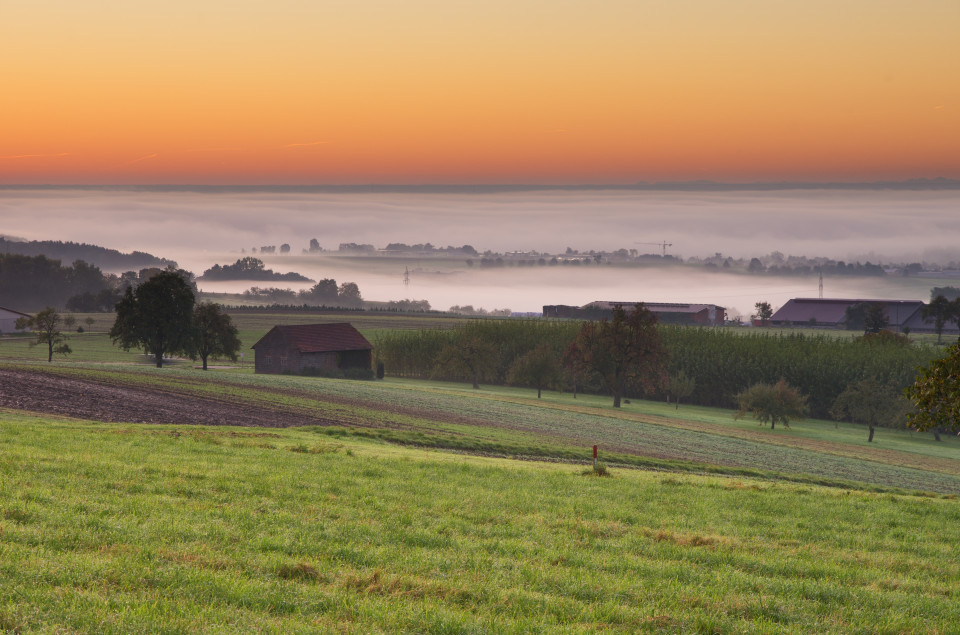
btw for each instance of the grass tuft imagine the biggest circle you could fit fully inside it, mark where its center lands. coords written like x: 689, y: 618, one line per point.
x: 300, y: 571
x: 601, y: 469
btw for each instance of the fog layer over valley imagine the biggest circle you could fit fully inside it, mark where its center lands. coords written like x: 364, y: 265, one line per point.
x: 199, y: 230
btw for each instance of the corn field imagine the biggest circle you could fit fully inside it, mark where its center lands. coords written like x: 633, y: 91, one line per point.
x: 721, y: 362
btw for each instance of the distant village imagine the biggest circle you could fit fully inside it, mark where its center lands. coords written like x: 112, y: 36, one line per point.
x: 774, y: 263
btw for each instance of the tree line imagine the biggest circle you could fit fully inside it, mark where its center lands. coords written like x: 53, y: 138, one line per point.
x: 704, y: 366
x: 31, y: 282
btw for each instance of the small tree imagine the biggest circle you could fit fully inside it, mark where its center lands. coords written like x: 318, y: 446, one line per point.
x: 157, y: 316
x: 213, y: 334
x: 942, y: 311
x: 47, y: 325
x: 469, y: 357
x: 936, y: 394
x: 869, y: 403
x: 779, y: 402
x: 680, y: 386
x: 764, y: 312
x: 539, y: 368
x: 875, y: 319
x: 624, y: 351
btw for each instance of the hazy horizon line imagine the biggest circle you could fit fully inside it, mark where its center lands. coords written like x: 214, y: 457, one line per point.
x: 938, y: 183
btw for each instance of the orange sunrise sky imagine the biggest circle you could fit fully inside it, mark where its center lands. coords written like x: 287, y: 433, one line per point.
x: 491, y: 91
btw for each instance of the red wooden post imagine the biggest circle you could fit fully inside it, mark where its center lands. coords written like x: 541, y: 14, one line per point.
x: 594, y: 458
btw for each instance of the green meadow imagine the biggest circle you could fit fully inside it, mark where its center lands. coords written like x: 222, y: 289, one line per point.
x: 139, y: 528
x: 424, y: 506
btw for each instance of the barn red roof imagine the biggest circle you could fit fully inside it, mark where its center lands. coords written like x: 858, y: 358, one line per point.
x: 321, y: 338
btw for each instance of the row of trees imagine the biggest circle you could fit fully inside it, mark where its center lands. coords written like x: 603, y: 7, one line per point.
x: 325, y: 293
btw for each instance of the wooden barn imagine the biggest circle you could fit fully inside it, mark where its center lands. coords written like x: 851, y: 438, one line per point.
x: 324, y: 347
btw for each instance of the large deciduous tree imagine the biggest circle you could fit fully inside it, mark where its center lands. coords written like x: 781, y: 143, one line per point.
x: 624, y: 351
x: 157, y: 316
x: 213, y: 334
x: 936, y: 394
x: 780, y: 402
x: 46, y: 325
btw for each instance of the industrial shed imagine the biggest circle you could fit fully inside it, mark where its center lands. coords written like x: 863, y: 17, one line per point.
x: 304, y: 347
x: 832, y: 312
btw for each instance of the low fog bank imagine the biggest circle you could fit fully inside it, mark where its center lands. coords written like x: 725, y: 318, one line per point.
x: 897, y: 225
x: 201, y: 229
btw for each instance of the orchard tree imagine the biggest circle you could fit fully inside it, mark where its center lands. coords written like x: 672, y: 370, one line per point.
x: 213, y: 334
x: 624, y: 351
x: 157, y: 316
x: 680, y: 386
x: 539, y: 368
x: 869, y: 403
x: 936, y: 394
x: 780, y: 402
x: 46, y: 325
x: 470, y: 356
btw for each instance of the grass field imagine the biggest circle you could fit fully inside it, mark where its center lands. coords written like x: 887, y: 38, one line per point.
x: 120, y: 528
x: 511, y: 422
x: 410, y: 513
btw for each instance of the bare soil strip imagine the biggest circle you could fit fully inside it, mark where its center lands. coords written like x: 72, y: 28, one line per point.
x: 39, y: 392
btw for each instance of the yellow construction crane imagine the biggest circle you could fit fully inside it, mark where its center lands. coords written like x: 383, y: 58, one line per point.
x: 663, y: 245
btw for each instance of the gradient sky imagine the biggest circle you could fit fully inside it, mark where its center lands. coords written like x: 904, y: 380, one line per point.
x: 489, y: 91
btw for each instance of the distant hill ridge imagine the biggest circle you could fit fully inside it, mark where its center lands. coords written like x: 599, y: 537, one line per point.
x: 68, y: 252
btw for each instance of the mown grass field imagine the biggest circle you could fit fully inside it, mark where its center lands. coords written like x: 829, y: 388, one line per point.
x: 410, y: 513
x: 511, y: 422
x: 138, y: 528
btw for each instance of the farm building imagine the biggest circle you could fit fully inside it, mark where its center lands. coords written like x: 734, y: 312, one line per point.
x: 666, y: 312
x: 8, y: 319
x: 296, y: 348
x: 832, y: 312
